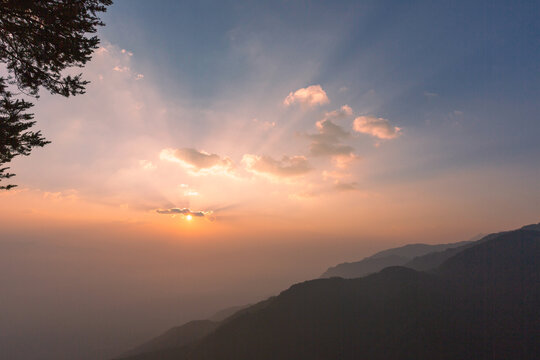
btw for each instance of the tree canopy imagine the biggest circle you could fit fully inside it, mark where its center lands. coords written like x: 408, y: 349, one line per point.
x: 39, y: 40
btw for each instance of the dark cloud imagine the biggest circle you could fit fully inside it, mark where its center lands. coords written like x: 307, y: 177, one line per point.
x: 319, y: 148
x: 183, y: 211
x: 329, y: 140
x: 329, y: 132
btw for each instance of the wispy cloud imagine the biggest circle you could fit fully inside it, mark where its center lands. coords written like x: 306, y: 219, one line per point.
x: 121, y: 68
x: 345, y: 186
x: 311, y: 96
x: 198, y: 162
x: 147, y: 165
x: 320, y: 148
x: 377, y: 127
x: 316, y: 190
x: 285, y: 168
x: 343, y: 161
x: 340, y: 113
x: 265, y: 125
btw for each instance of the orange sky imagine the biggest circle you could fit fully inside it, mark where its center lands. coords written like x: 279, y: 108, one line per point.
x: 297, y: 160
x: 297, y: 135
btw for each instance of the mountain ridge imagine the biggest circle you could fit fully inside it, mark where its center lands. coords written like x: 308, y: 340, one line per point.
x: 443, y: 313
x: 390, y: 257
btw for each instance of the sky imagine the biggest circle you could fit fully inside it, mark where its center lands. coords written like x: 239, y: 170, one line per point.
x: 226, y: 149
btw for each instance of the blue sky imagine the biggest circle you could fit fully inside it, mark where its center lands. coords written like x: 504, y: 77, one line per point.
x: 424, y: 60
x: 459, y: 48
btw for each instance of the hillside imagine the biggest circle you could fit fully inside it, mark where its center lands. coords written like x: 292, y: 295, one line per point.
x: 176, y: 337
x: 483, y: 302
x: 390, y: 257
x: 434, y: 259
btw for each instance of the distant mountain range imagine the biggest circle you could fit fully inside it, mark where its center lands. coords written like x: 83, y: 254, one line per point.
x: 185, y: 334
x: 480, y: 300
x: 400, y: 256
x: 225, y: 313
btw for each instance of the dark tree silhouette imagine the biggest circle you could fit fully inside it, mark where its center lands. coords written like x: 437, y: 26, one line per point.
x: 39, y: 39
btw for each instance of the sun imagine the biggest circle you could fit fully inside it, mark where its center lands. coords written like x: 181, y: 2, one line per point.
x: 189, y: 217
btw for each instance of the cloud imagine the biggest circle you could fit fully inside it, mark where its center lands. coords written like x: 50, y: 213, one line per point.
x: 341, y: 113
x: 286, y: 167
x: 191, y: 193
x: 188, y: 191
x: 319, y: 148
x: 70, y: 195
x: 147, y: 165
x: 184, y: 211
x: 311, y: 96
x: 321, y: 190
x: 377, y: 127
x: 198, y: 162
x: 328, y: 142
x: 345, y: 186
x: 101, y: 50
x: 265, y: 125
x: 121, y: 68
x: 329, y: 131
x: 343, y: 161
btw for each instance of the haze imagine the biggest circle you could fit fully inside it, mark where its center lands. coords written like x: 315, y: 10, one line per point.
x: 295, y: 134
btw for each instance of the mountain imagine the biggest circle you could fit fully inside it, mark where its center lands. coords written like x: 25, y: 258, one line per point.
x: 434, y: 259
x: 195, y: 330
x: 481, y: 303
x: 176, y: 337
x: 185, y: 334
x: 534, y: 227
x: 225, y: 313
x: 364, y: 267
x: 391, y: 257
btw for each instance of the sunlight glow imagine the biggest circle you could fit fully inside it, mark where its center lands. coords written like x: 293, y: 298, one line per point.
x: 189, y: 217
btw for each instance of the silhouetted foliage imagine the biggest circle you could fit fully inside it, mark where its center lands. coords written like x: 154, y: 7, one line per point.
x: 39, y: 39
